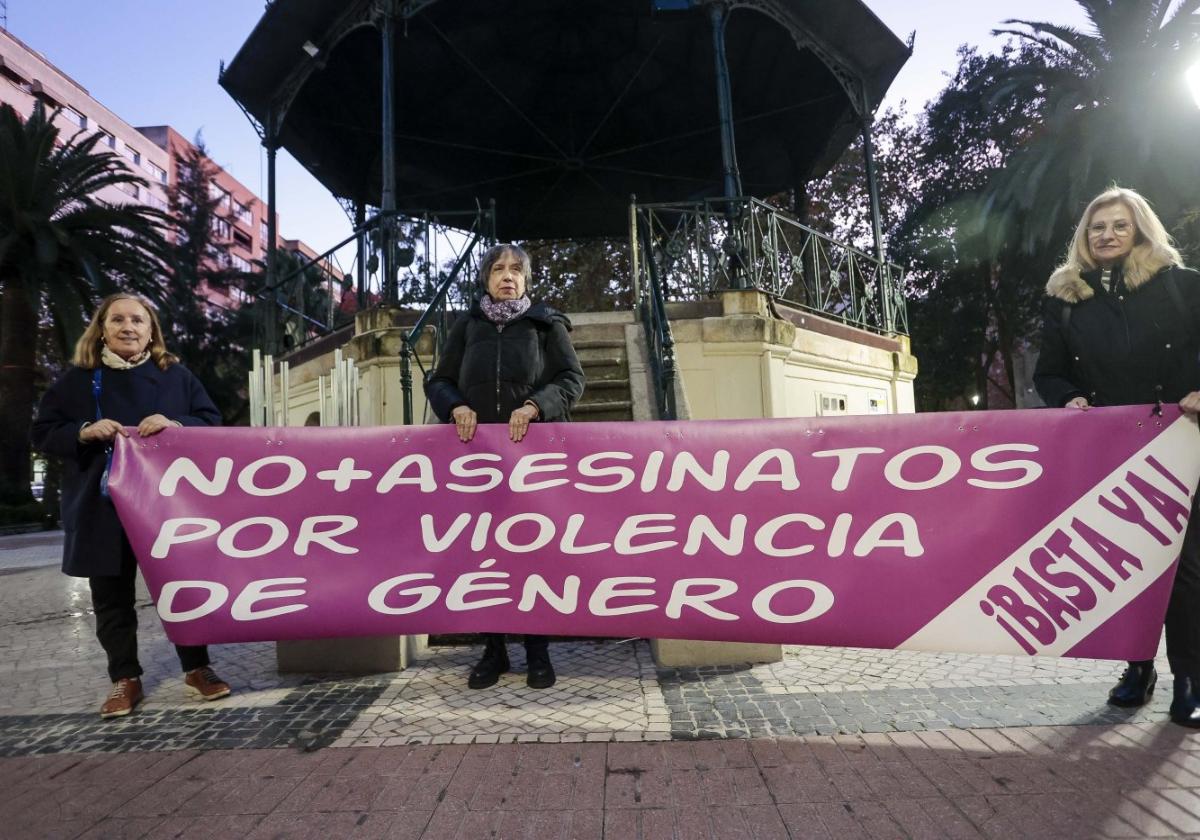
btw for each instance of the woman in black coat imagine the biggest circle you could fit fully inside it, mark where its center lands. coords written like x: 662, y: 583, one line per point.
x: 122, y: 376
x: 508, y: 360
x: 1122, y: 327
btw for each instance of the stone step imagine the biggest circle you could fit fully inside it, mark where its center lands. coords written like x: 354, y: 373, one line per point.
x: 583, y: 415
x: 601, y: 355
x: 599, y: 407
x: 592, y: 332
x: 606, y: 386
x: 588, y: 343
x: 605, y: 372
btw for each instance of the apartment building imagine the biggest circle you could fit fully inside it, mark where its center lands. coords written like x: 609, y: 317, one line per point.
x: 27, y: 77
x: 241, y: 233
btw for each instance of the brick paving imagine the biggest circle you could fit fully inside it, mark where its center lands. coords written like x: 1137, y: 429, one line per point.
x: 827, y: 743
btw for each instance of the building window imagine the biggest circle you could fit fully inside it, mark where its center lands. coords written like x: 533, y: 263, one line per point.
x: 221, y: 227
x: 242, y: 238
x: 266, y: 235
x: 243, y: 213
x: 877, y: 404
x: 135, y: 157
x: 831, y: 405
x: 74, y: 117
x: 157, y: 172
x: 154, y: 201
x: 240, y: 263
x: 129, y: 189
x: 106, y: 138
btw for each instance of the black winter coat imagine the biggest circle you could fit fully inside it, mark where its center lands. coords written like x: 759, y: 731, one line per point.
x: 494, y: 371
x: 92, y: 534
x: 1130, y: 347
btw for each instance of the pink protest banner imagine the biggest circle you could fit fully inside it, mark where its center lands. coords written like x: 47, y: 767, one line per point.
x: 1024, y: 532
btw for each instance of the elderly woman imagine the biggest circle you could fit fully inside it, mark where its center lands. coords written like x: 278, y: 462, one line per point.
x: 508, y: 360
x: 122, y: 377
x: 1122, y: 327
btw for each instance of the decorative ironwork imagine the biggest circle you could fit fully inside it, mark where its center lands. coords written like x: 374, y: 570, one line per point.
x: 702, y: 247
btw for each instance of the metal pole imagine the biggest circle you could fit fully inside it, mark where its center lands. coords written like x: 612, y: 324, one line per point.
x: 360, y: 218
x: 718, y: 14
x: 388, y: 151
x: 733, y: 186
x: 634, y: 280
x: 406, y: 380
x: 271, y: 141
x: 877, y: 226
x: 872, y: 188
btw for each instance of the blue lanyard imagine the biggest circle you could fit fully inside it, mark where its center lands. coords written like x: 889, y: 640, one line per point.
x: 108, y: 450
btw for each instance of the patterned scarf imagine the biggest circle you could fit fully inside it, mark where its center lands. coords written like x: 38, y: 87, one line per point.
x: 503, y: 312
x: 112, y: 360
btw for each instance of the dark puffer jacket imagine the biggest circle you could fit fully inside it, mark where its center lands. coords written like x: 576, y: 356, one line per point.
x: 1132, y: 346
x: 494, y: 371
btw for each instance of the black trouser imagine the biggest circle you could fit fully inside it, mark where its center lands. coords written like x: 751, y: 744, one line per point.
x: 532, y: 643
x: 1183, y: 610
x: 116, y: 621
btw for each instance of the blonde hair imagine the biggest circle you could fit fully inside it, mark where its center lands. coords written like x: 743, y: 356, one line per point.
x: 1152, y: 248
x: 87, y: 349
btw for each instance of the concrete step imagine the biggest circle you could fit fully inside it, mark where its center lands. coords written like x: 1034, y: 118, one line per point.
x: 603, y: 412
x: 605, y: 372
x: 606, y: 386
x: 592, y: 332
x: 600, y: 355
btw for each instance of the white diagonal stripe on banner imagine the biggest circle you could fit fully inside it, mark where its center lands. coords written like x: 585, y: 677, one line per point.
x: 1177, y: 448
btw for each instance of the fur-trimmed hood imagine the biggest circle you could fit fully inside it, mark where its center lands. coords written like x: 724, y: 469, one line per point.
x: 1068, y: 284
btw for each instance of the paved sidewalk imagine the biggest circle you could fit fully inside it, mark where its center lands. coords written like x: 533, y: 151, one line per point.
x: 829, y: 742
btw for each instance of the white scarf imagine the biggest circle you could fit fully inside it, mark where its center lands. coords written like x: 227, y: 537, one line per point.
x: 112, y: 360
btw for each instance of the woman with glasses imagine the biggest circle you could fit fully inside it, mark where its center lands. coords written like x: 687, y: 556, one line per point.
x: 1122, y: 327
x: 123, y: 382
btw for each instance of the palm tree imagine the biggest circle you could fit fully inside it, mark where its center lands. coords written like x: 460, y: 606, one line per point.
x: 1116, y: 109
x: 60, y: 248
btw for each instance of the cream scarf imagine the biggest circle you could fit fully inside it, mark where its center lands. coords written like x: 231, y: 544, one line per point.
x: 112, y: 360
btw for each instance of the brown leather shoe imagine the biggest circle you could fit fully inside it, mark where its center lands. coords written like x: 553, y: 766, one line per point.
x: 126, y: 693
x: 203, y: 684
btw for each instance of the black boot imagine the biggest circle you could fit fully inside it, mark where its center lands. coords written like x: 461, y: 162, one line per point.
x: 1185, y: 709
x: 1136, y: 685
x: 539, y: 671
x: 493, y: 663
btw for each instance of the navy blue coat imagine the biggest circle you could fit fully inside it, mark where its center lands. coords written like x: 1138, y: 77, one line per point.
x: 93, y: 537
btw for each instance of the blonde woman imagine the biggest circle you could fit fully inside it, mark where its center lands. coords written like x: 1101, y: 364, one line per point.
x: 122, y: 378
x: 1122, y: 327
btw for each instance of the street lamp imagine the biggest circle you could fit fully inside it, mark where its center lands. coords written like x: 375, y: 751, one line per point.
x: 1193, y: 80
x: 974, y: 401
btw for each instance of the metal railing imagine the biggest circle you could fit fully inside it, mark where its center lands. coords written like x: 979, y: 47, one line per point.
x: 453, y: 294
x: 701, y: 247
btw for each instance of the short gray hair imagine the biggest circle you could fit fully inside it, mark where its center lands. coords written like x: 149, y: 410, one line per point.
x: 493, y: 254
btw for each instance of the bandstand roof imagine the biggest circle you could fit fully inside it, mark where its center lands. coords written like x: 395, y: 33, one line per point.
x: 561, y: 109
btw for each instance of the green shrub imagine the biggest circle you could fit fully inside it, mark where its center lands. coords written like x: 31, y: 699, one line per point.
x: 32, y: 513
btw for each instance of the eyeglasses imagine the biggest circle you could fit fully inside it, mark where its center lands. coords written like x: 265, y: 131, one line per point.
x: 1118, y: 229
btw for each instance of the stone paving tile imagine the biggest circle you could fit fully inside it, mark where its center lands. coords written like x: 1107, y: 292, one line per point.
x: 731, y: 702
x: 752, y: 789
x: 310, y: 718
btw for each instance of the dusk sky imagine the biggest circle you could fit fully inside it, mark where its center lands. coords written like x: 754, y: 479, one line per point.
x: 156, y: 62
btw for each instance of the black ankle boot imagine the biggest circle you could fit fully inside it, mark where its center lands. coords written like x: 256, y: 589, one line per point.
x: 539, y: 671
x: 1185, y: 709
x: 1135, y: 687
x: 493, y: 663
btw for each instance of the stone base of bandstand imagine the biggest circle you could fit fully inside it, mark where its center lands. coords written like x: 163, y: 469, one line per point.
x: 358, y: 655
x: 684, y: 653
